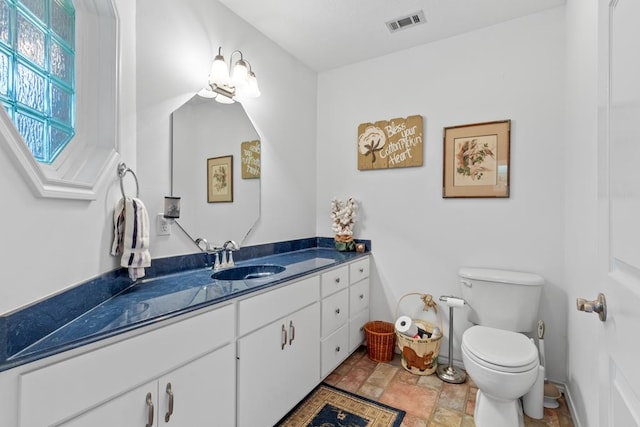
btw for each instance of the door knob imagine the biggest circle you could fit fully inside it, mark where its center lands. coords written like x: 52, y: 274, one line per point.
x: 598, y: 305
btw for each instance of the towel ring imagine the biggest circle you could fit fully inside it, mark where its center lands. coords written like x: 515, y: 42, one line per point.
x: 122, y: 171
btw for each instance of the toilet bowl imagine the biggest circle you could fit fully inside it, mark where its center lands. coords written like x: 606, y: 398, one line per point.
x: 504, y: 366
x: 498, y: 357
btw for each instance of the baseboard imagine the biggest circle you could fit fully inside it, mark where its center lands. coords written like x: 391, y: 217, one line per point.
x: 567, y: 396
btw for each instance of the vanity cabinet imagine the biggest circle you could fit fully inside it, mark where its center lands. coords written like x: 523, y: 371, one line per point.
x: 345, y: 310
x: 278, y: 351
x: 245, y: 362
x: 125, y: 383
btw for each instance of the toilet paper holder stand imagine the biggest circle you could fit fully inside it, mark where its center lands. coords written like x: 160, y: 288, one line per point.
x: 450, y: 373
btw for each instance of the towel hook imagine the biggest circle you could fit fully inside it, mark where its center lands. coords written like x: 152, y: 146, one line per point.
x: 122, y: 171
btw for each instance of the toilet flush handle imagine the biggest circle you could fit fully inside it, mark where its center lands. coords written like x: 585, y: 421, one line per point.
x: 598, y: 305
x: 466, y: 283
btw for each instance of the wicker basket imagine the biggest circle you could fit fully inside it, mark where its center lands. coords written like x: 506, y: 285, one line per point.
x: 380, y: 340
x: 420, y: 355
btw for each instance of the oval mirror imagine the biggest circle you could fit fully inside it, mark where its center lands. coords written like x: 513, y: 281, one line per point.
x: 215, y: 170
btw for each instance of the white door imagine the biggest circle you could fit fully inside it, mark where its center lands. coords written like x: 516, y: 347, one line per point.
x: 619, y: 195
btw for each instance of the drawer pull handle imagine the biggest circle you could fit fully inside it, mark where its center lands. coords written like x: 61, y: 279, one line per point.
x: 338, y: 349
x: 149, y: 410
x: 337, y: 310
x: 361, y: 270
x: 292, y: 332
x: 361, y: 296
x: 361, y: 328
x: 167, y: 416
x: 337, y: 280
x: 284, y: 337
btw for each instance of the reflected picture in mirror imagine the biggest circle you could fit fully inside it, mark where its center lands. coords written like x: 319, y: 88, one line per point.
x: 220, y: 179
x: 202, y: 130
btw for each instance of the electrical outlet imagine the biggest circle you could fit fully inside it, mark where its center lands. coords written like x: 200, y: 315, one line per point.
x: 163, y: 226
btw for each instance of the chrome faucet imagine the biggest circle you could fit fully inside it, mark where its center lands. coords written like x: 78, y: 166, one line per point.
x: 230, y: 245
x: 227, y: 261
x: 206, y: 244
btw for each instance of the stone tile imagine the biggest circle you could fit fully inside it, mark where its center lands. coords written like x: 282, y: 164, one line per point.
x: 366, y: 363
x: 353, y: 379
x: 333, y: 378
x: 454, y: 396
x: 427, y: 400
x: 382, y: 375
x: 467, y: 421
x: 446, y: 417
x: 416, y: 401
x: 407, y: 377
x: 431, y: 381
x: 370, y: 391
x: 471, y: 401
x: 411, y: 421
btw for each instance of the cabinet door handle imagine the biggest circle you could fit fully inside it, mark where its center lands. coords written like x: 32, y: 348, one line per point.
x: 337, y: 349
x: 149, y: 410
x: 167, y: 416
x: 292, y: 332
x: 284, y: 337
x: 338, y: 310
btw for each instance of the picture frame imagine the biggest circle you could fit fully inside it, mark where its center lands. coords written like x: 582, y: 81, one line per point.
x: 476, y: 160
x: 220, y: 179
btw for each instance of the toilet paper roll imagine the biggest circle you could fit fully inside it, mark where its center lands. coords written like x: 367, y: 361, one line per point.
x: 405, y: 326
x: 454, y: 302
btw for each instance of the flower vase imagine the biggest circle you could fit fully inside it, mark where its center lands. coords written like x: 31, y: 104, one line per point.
x: 345, y: 243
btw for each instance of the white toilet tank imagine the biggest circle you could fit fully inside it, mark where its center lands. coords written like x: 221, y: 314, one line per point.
x: 502, y: 299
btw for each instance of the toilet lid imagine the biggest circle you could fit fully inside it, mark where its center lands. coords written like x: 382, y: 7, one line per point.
x: 499, y: 349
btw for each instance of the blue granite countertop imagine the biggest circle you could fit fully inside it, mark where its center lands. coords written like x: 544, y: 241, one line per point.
x: 161, y: 297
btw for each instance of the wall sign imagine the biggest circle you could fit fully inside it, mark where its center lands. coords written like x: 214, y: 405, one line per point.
x: 250, y: 155
x: 396, y: 143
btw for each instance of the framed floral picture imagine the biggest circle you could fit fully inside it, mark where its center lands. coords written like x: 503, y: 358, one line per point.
x: 220, y: 179
x: 476, y: 160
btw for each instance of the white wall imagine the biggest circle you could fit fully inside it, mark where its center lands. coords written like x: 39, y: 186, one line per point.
x: 48, y: 245
x: 176, y: 44
x: 515, y: 71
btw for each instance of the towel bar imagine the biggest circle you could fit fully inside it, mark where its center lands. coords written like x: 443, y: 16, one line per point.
x: 122, y: 171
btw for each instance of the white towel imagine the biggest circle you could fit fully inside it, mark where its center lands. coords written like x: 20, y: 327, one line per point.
x: 131, y: 236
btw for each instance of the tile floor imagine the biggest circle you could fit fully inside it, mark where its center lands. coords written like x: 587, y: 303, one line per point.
x: 427, y: 400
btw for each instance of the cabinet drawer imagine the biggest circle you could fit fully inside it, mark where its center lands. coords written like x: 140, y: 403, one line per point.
x: 356, y: 329
x: 358, y: 297
x: 335, y: 312
x: 335, y: 280
x: 262, y: 309
x: 334, y: 350
x: 95, y: 376
x: 358, y: 270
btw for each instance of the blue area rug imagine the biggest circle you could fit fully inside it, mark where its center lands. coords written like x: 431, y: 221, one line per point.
x: 328, y: 406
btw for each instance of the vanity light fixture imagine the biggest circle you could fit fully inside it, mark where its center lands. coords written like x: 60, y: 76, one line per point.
x: 225, y: 87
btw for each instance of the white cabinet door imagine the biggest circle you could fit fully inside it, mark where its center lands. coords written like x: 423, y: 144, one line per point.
x: 203, y: 392
x: 131, y: 409
x: 277, y: 366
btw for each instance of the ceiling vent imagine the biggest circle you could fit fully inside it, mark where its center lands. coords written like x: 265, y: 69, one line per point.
x: 410, y: 20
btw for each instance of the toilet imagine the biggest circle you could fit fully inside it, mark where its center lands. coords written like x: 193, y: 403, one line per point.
x: 499, y: 358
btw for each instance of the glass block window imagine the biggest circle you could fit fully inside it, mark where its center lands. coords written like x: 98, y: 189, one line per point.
x: 37, y: 60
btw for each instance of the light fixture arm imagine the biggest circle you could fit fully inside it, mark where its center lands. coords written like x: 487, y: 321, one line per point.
x: 227, y: 81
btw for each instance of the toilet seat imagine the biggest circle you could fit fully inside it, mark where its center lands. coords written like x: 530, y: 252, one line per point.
x: 500, y: 350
